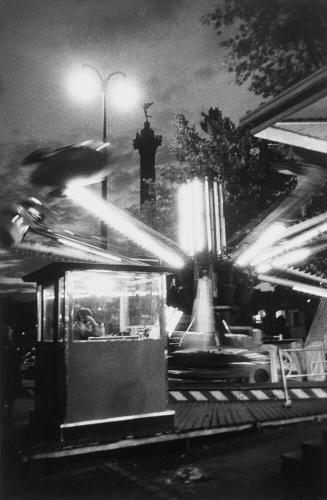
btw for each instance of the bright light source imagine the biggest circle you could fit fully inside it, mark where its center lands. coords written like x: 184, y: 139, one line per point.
x: 198, y: 214
x: 207, y: 208
x: 99, y: 285
x: 191, y: 211
x: 266, y: 256
x: 124, y: 224
x: 291, y: 257
x: 263, y: 268
x: 84, y: 84
x: 201, y: 217
x: 123, y: 94
x: 274, y: 233
x: 217, y: 218
x: 221, y: 215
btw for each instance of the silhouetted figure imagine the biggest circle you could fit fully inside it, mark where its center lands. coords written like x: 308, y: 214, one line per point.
x: 281, y: 327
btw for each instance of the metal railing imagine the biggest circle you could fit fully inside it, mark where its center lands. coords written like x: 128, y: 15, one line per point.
x: 308, y: 363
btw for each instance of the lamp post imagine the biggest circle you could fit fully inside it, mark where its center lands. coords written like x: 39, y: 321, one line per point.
x: 84, y: 85
x: 104, y: 82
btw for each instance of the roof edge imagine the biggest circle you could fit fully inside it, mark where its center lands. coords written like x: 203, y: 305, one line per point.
x: 287, y: 102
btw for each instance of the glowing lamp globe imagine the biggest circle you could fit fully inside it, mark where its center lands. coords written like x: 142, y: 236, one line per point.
x: 84, y: 85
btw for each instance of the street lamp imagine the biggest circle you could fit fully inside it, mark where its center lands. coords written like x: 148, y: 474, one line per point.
x: 84, y: 85
x: 104, y: 82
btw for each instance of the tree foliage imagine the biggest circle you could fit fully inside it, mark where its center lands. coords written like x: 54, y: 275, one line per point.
x: 222, y: 150
x: 271, y: 44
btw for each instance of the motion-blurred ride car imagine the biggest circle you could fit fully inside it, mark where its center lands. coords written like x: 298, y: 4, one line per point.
x: 219, y: 364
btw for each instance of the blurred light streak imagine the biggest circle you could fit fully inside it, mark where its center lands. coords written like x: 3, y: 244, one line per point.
x: 93, y: 251
x: 311, y: 290
x: 304, y: 237
x: 124, y: 224
x: 295, y: 285
x: 191, y: 217
x: 274, y: 233
x: 201, y: 217
x: 59, y: 252
x: 198, y: 215
x: 217, y: 218
x: 299, y: 240
x: 301, y: 226
x: 284, y: 260
x: 207, y: 212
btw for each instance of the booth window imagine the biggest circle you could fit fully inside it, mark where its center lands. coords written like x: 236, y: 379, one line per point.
x: 116, y: 305
x: 48, y: 313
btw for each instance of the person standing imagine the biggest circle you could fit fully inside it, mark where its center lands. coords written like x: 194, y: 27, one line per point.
x: 11, y: 375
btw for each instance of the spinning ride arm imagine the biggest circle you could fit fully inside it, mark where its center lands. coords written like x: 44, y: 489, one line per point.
x: 29, y: 219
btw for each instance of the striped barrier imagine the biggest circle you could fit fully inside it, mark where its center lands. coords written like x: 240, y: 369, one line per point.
x: 184, y: 396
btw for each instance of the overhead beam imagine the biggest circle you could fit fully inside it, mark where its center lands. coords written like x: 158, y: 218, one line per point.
x: 297, y: 97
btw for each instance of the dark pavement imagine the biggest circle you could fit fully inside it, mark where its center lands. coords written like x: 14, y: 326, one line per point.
x: 242, y: 465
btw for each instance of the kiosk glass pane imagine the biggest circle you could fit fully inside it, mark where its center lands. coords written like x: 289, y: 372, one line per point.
x: 61, y: 319
x: 48, y: 313
x: 116, y: 305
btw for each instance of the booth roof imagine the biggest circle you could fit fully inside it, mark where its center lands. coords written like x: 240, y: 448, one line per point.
x: 297, y: 116
x: 57, y: 269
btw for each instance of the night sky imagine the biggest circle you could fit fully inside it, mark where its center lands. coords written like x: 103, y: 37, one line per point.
x: 162, y: 45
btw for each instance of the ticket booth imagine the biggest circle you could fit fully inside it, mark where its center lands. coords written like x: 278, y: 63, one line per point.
x: 100, y: 357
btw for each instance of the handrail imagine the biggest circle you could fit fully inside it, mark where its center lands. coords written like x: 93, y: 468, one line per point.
x: 317, y: 367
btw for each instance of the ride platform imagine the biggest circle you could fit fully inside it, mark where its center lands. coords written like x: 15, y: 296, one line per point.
x: 209, y: 409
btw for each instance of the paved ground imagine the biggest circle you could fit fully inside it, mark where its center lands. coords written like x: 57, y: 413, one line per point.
x: 226, y: 466
x: 237, y: 466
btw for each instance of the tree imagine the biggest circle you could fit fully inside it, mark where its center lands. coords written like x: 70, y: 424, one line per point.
x: 241, y: 162
x: 272, y: 44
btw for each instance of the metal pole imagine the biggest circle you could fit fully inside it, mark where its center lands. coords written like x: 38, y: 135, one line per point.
x: 104, y: 84
x: 104, y: 183
x: 104, y: 114
x: 288, y: 402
